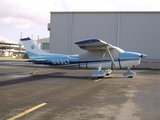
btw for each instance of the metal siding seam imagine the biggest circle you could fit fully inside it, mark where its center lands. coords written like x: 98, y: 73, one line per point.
x: 118, y: 32
x: 71, y: 27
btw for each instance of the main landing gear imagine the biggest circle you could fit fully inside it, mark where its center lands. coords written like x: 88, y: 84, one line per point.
x: 129, y: 73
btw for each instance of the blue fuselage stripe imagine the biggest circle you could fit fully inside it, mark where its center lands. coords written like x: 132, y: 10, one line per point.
x: 70, y: 62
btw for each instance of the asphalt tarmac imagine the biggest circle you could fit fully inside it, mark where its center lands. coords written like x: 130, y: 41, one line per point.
x: 57, y: 94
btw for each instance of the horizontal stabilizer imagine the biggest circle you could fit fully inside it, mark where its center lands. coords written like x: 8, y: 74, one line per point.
x: 39, y: 61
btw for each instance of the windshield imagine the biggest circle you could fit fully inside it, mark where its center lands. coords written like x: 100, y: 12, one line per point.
x: 119, y: 49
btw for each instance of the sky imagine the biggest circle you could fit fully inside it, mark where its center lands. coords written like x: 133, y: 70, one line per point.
x: 30, y: 17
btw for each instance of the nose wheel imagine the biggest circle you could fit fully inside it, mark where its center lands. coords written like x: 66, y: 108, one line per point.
x: 129, y: 73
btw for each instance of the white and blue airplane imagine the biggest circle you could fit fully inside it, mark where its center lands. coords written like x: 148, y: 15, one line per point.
x: 99, y: 55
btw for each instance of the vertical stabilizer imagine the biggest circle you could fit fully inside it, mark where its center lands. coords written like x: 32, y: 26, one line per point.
x: 32, y: 50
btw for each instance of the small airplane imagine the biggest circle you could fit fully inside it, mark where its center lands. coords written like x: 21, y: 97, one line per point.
x: 99, y: 55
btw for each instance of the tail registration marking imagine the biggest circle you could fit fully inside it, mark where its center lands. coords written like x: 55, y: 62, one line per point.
x: 60, y: 61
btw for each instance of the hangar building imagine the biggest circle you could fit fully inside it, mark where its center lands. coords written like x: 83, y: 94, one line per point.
x: 131, y: 31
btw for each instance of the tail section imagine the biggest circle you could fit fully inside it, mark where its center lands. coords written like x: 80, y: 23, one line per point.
x: 32, y: 50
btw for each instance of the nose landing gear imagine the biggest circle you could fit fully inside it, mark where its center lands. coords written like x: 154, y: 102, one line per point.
x: 129, y: 73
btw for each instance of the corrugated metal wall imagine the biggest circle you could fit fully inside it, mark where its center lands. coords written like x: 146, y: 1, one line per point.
x: 132, y: 31
x: 60, y: 33
x: 140, y: 32
x: 94, y: 25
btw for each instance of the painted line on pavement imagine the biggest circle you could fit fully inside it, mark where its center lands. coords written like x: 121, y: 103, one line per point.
x: 27, y: 111
x: 98, y: 80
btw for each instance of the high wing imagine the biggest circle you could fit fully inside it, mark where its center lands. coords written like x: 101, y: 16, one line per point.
x: 96, y: 45
x: 93, y: 44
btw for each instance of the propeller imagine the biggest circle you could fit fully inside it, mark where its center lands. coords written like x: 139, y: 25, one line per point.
x: 143, y: 55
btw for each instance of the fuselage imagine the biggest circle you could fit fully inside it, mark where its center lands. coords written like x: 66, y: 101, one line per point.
x: 99, y: 54
x: 123, y: 60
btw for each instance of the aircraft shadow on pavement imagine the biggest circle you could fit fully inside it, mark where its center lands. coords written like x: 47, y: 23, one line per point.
x: 38, y: 77
x: 2, y: 74
x: 149, y: 72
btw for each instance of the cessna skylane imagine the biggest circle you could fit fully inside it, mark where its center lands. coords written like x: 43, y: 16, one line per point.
x: 99, y: 55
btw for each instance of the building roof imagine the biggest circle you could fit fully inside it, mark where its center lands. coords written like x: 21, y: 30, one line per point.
x: 8, y: 43
x: 105, y: 12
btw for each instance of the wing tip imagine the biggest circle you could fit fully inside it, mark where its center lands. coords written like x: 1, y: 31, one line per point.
x: 25, y: 39
x: 88, y: 41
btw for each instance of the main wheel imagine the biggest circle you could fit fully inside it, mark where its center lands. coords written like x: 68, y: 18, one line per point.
x: 130, y: 76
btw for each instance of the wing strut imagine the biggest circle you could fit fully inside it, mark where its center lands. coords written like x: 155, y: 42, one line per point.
x: 110, y: 55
